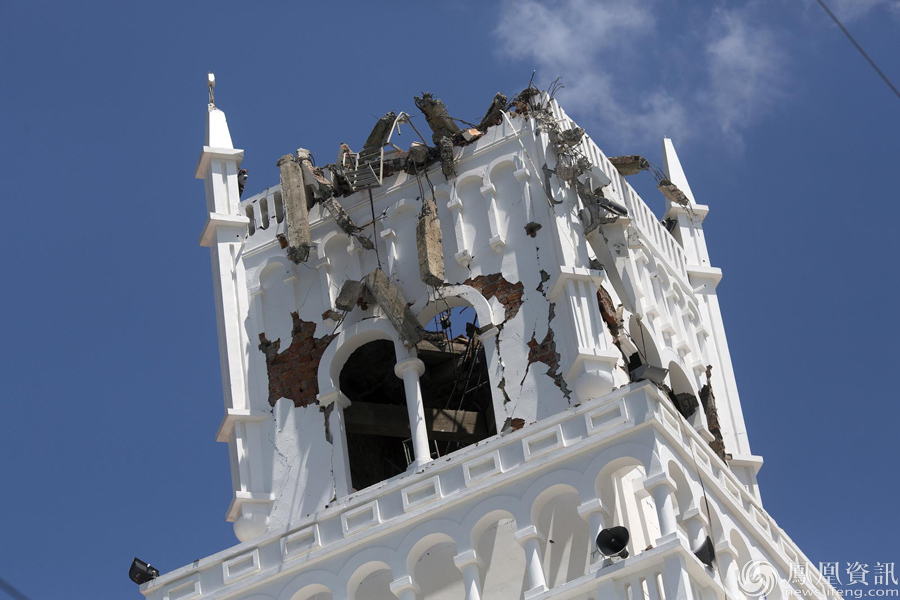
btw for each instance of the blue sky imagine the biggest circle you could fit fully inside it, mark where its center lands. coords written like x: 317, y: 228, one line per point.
x: 111, y: 392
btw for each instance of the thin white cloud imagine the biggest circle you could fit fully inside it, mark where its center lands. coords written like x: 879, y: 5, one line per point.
x: 746, y: 70
x: 852, y: 10
x: 609, y: 53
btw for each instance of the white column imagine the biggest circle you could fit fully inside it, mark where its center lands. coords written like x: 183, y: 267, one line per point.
x: 470, y: 565
x: 729, y: 568
x: 409, y: 371
x: 595, y: 514
x: 661, y: 488
x: 530, y: 539
x: 676, y: 581
x: 405, y: 588
x: 694, y: 523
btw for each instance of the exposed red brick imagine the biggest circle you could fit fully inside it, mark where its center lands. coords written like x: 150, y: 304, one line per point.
x: 293, y: 373
x: 545, y: 352
x: 495, y: 285
x: 708, y: 401
x: 607, y: 310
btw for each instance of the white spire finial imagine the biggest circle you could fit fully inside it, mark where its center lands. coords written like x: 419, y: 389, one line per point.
x: 211, y: 82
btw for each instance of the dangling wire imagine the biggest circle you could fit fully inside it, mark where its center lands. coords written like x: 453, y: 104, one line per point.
x: 374, y: 231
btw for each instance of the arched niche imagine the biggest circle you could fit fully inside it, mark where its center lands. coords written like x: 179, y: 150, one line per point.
x: 568, y: 541
x: 458, y: 389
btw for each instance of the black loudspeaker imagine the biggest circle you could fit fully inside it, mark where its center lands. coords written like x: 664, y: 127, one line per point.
x: 706, y: 552
x: 141, y: 572
x: 611, y: 542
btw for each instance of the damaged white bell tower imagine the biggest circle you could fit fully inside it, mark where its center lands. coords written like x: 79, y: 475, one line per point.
x: 476, y: 367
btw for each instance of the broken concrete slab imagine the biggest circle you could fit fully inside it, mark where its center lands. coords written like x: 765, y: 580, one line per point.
x: 442, y: 125
x: 346, y: 224
x: 631, y: 164
x: 568, y: 138
x: 672, y: 193
x: 395, y: 307
x: 428, y: 245
x: 350, y: 294
x: 296, y: 212
x: 381, y: 131
x: 494, y: 114
x: 448, y: 164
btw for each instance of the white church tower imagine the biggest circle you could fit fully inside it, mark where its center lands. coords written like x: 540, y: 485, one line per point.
x: 448, y: 368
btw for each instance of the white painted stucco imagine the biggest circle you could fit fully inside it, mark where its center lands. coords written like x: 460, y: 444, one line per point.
x: 514, y: 515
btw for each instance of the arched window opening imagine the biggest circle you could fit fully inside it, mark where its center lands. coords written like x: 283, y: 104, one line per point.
x: 376, y: 421
x: 456, y: 387
x: 252, y: 217
x: 279, y: 207
x: 263, y: 213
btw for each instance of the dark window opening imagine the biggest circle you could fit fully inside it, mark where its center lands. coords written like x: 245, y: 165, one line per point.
x: 376, y: 421
x: 456, y: 387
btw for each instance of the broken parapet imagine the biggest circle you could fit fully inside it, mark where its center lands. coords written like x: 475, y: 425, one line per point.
x: 494, y: 113
x: 346, y: 223
x: 569, y: 137
x: 672, y: 193
x: 381, y: 131
x: 323, y: 192
x: 630, y: 165
x: 428, y: 245
x: 296, y: 212
x: 436, y: 114
x: 313, y: 177
x: 448, y: 165
x: 395, y: 307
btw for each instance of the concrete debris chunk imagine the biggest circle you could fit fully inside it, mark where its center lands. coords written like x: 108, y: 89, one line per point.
x: 350, y: 294
x: 631, y: 164
x: 437, y: 116
x: 494, y: 114
x: 569, y: 137
x: 598, y: 210
x: 428, y: 245
x: 293, y: 192
x: 395, y: 308
x: 381, y: 131
x: 313, y: 177
x: 448, y: 164
x: 566, y: 168
x: 470, y: 135
x: 346, y: 224
x: 320, y: 190
x: 672, y: 193
x: 686, y: 404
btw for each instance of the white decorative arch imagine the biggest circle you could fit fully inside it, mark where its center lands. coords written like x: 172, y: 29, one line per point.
x: 420, y: 539
x: 346, y: 342
x: 539, y: 493
x: 401, y: 206
x: 453, y: 296
x: 485, y: 513
x: 256, y: 278
x: 511, y: 159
